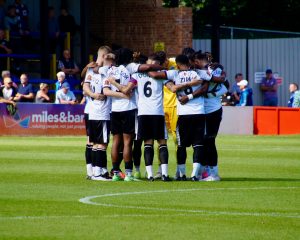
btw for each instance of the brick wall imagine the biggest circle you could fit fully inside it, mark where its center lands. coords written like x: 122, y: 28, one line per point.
x: 138, y: 24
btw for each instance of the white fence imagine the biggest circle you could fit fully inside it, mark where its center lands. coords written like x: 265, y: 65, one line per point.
x: 281, y: 55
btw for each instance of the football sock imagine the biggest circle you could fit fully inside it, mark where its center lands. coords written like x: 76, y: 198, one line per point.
x: 137, y: 153
x: 198, y: 155
x: 120, y: 158
x: 181, y: 155
x: 148, y: 154
x: 128, y: 168
x: 101, y: 153
x: 164, y: 169
x: 93, y: 156
x: 149, y: 170
x: 214, y: 171
x: 196, y: 168
x: 163, y: 154
x: 88, y: 153
x: 181, y: 169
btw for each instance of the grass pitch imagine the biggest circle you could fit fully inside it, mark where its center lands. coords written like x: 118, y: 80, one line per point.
x: 43, y: 179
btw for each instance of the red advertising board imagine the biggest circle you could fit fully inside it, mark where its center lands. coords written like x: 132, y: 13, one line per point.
x: 42, y: 119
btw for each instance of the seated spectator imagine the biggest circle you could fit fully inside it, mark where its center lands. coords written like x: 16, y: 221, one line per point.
x: 236, y: 92
x: 6, y: 73
x: 70, y: 68
x: 8, y: 92
x: 11, y: 20
x: 25, y: 90
x: 296, y: 102
x: 293, y: 88
x: 61, y: 78
x: 246, y: 94
x: 65, y: 96
x: 42, y: 94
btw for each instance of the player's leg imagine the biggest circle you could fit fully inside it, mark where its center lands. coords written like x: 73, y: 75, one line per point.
x: 212, y: 128
x: 198, y: 126
x: 137, y: 154
x: 88, y: 149
x: 127, y: 156
x: 181, y: 135
x: 148, y: 157
x: 117, y: 140
x: 164, y: 159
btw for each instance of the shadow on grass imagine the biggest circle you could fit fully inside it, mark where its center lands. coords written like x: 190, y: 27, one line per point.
x: 246, y: 179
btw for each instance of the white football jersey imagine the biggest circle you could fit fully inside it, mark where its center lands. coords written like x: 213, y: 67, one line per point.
x: 89, y: 72
x: 99, y: 110
x: 122, y: 76
x: 150, y: 94
x: 133, y: 68
x: 213, y: 104
x: 193, y: 106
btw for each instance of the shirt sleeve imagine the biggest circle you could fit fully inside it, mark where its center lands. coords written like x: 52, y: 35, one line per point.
x: 171, y: 74
x: 88, y: 76
x: 133, y: 67
x: 30, y: 89
x: 220, y: 92
x: 204, y: 75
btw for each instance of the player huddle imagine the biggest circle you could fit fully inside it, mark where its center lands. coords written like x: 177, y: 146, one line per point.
x: 125, y: 97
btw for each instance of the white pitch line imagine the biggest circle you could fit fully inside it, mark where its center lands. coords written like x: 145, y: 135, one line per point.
x: 37, y: 217
x: 88, y: 200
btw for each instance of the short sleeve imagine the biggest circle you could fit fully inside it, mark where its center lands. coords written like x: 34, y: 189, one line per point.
x: 171, y: 74
x: 133, y: 67
x: 204, y: 75
x: 194, y: 76
x: 88, y: 76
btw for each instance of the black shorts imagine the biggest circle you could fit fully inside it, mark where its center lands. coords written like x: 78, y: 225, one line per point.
x: 86, y: 121
x: 190, y: 130
x: 99, y: 131
x: 152, y: 127
x: 123, y: 122
x: 212, y: 123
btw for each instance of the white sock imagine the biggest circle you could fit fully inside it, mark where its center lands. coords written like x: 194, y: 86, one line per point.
x: 196, y: 168
x: 214, y: 171
x: 159, y: 169
x: 181, y: 169
x: 104, y: 170
x: 149, y: 170
x: 97, y: 171
x: 202, y: 169
x: 164, y: 169
x: 137, y: 169
x: 128, y: 172
x: 89, y: 169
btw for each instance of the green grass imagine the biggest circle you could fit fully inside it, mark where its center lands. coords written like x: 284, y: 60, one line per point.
x: 42, y: 180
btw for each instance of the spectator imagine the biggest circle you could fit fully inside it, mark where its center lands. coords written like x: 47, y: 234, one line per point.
x: 246, y: 94
x: 42, y: 94
x: 6, y: 73
x: 11, y: 20
x: 269, y: 88
x: 61, y: 78
x: 2, y: 13
x: 66, y: 22
x: 296, y: 103
x: 70, y: 68
x: 23, y: 17
x: 53, y: 30
x: 64, y: 95
x: 25, y: 90
x: 8, y: 92
x: 236, y: 92
x: 293, y: 88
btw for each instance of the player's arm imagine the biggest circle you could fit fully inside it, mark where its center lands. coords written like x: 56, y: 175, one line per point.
x: 126, y: 89
x: 150, y: 67
x: 87, y: 90
x: 90, y: 65
x: 197, y: 93
x: 3, y: 100
x: 110, y: 93
x: 158, y: 75
x: 218, y: 93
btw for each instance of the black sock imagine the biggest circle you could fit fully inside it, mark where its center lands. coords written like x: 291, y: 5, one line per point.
x: 94, y: 156
x: 129, y: 165
x: 198, y: 155
x: 103, y: 157
x: 163, y: 154
x: 137, y: 152
x: 88, y: 154
x: 181, y: 155
x: 98, y: 158
x: 148, y: 154
x: 120, y: 159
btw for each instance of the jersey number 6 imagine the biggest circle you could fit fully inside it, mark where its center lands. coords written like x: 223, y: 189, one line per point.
x: 147, y: 89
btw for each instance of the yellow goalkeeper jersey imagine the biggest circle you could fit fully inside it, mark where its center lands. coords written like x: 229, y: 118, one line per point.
x: 169, y: 97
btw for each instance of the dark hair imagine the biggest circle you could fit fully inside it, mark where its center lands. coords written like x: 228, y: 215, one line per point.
x: 189, y: 52
x: 182, y: 59
x: 124, y: 56
x: 201, y: 56
x: 238, y: 75
x: 160, y: 56
x: 295, y: 84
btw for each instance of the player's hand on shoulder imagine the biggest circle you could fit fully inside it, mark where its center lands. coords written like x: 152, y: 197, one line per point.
x: 183, y: 99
